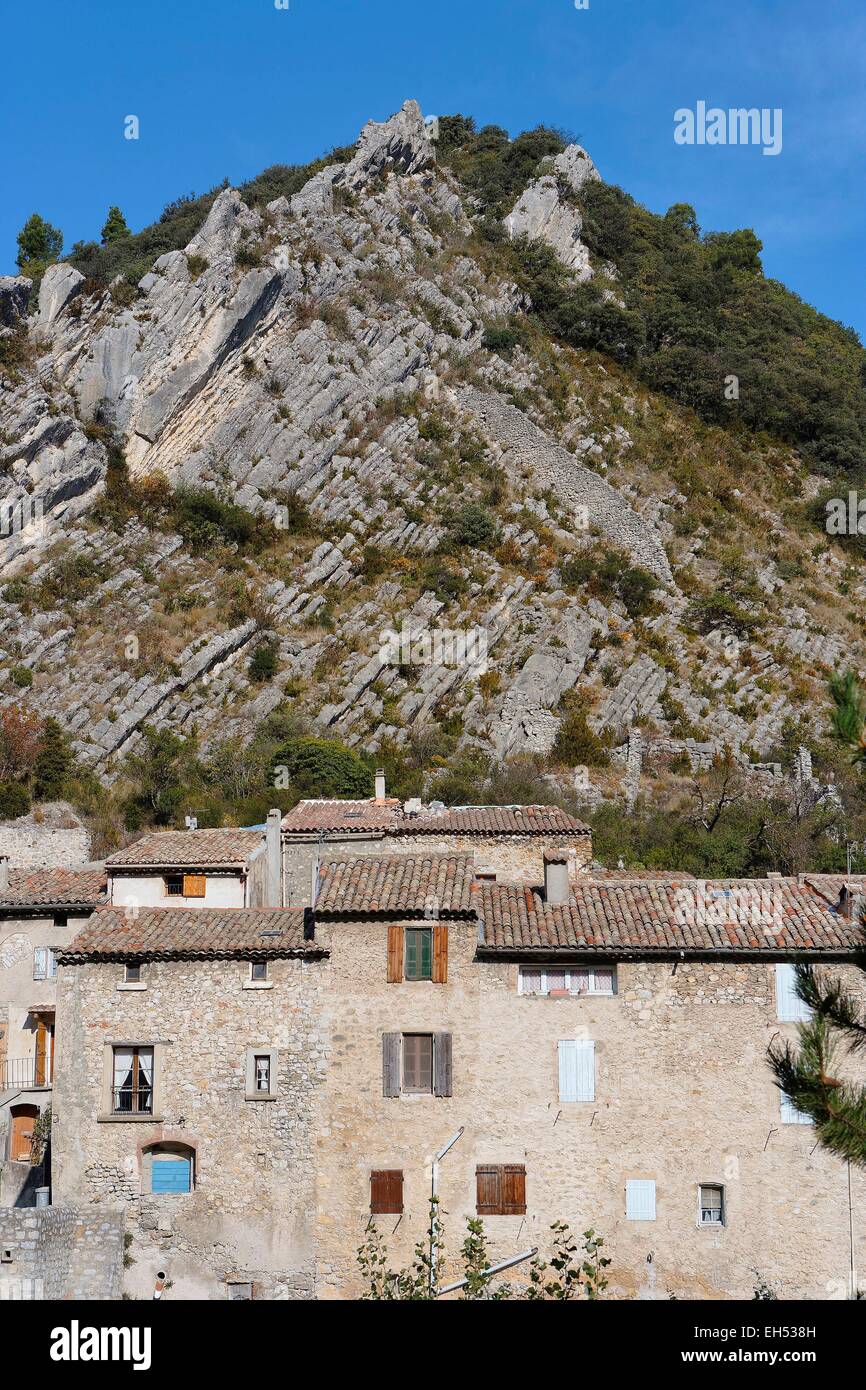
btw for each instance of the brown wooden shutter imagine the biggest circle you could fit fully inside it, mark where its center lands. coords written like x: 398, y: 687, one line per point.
x: 386, y: 1191
x: 488, y: 1190
x: 391, y: 1064
x: 40, y: 1052
x: 194, y: 885
x: 442, y: 1064
x: 513, y: 1189
x: 395, y: 955
x: 440, y: 955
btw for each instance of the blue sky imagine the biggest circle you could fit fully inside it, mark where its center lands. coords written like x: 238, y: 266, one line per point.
x: 222, y: 88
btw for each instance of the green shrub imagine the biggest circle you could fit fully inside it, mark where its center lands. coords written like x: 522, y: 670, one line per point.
x: 14, y: 800
x: 608, y: 573
x: 320, y: 767
x: 576, y: 744
x: 263, y: 665
x: 204, y: 520
x: 21, y: 676
x: 473, y: 526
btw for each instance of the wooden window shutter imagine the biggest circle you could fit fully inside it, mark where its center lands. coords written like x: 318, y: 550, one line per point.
x: 391, y: 1064
x: 395, y: 955
x: 386, y: 1192
x: 513, y: 1189
x: 41, y: 1034
x: 194, y: 885
x: 440, y: 954
x: 488, y: 1190
x: 442, y: 1064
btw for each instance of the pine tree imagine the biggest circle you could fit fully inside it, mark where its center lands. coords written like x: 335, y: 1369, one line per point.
x: 808, y: 1074
x: 53, y: 765
x: 849, y: 714
x: 115, y: 228
x: 39, y: 245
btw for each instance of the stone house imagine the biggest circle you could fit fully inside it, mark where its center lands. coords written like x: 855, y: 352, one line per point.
x: 505, y: 841
x: 255, y: 1086
x: 208, y: 869
x: 40, y: 912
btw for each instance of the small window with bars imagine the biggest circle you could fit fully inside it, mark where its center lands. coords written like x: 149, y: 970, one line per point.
x: 174, y: 886
x: 262, y: 1072
x: 259, y: 971
x: 711, y: 1209
x: 575, y: 981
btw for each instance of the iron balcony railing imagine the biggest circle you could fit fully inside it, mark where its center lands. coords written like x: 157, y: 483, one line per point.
x: 24, y: 1071
x: 132, y: 1100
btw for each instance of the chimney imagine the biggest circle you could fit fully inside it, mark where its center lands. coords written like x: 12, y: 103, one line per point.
x: 4, y: 873
x: 851, y: 902
x: 556, y: 887
x: 273, y: 837
x: 380, y: 786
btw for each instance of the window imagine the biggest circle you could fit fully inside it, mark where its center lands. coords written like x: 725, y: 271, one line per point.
x: 640, y: 1199
x: 419, y: 953
x: 790, y: 1114
x: 416, y: 1064
x: 174, y: 886
x: 584, y: 979
x: 386, y: 1192
x: 259, y: 970
x: 576, y: 1070
x: 44, y: 963
x: 171, y: 1169
x: 132, y: 974
x: 260, y: 1073
x: 500, y: 1189
x: 789, y: 1006
x: 711, y: 1209
x: 239, y: 1292
x: 185, y: 885
x: 132, y: 1083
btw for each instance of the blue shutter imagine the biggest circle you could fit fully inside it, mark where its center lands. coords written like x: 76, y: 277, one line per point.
x: 170, y: 1175
x: 789, y: 1006
x: 790, y: 1114
x: 577, y: 1070
x: 640, y: 1199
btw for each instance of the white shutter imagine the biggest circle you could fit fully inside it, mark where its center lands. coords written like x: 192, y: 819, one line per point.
x: 640, y: 1199
x: 790, y: 1114
x: 576, y: 1070
x: 789, y: 1006
x: 40, y: 963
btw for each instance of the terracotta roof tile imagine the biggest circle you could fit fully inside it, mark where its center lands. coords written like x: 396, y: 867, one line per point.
x: 390, y: 818
x: 402, y: 883
x: 54, y: 887
x: 206, y: 849
x: 190, y: 933
x: 734, y: 914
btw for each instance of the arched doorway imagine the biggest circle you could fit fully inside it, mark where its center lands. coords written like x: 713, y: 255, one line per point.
x: 23, y: 1123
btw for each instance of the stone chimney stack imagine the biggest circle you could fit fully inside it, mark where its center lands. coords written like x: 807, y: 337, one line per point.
x: 4, y: 873
x: 851, y: 902
x: 380, y: 786
x: 273, y: 843
x: 556, y: 886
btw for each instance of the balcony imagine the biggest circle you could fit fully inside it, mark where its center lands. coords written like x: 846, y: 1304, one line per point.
x: 22, y: 1073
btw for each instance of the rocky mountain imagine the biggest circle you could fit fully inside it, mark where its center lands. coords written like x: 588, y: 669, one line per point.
x: 332, y: 426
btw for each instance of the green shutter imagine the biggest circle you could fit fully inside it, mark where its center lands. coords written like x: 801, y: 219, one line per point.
x: 411, y: 955
x: 426, y: 972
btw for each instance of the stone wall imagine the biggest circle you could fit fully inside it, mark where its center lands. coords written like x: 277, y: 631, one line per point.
x: 514, y: 859
x: 683, y: 1096
x: 250, y: 1216
x: 58, y: 841
x: 59, y: 1252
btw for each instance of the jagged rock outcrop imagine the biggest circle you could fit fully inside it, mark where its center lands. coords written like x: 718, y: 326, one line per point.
x: 322, y: 362
x: 545, y: 211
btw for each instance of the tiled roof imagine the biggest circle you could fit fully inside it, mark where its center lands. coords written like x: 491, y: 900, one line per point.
x: 408, y: 884
x: 190, y: 933
x: 390, y: 818
x: 726, y: 915
x: 206, y: 849
x: 830, y: 885
x: 633, y: 876
x: 54, y: 887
